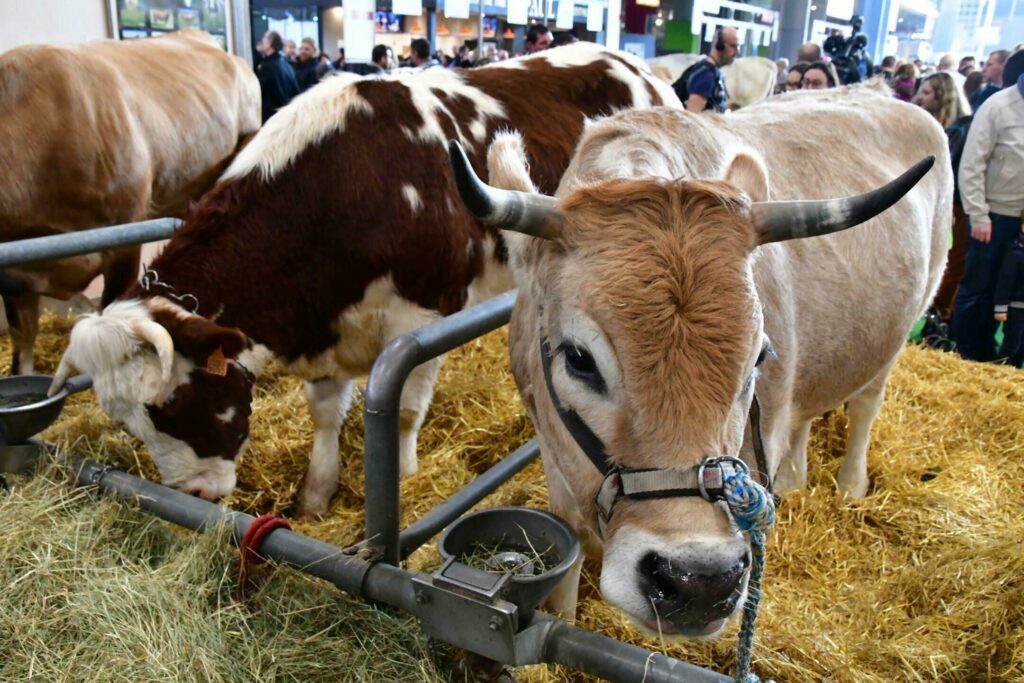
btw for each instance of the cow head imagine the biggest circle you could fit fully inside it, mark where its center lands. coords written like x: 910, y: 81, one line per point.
x: 174, y: 380
x: 639, y: 297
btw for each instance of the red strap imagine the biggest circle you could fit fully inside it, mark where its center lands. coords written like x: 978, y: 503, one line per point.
x: 249, y: 550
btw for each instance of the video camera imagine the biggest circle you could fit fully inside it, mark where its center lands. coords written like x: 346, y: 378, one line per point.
x: 848, y: 54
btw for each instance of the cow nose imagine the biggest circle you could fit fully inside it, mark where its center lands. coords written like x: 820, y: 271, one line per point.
x: 692, y: 594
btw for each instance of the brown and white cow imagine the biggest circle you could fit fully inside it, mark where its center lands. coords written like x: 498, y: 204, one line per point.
x: 104, y: 133
x: 652, y: 283
x: 335, y: 230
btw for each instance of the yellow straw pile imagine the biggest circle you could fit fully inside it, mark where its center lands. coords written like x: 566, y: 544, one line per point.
x: 920, y: 580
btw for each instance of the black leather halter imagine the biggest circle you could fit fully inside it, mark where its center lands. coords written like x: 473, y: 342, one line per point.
x: 706, y: 479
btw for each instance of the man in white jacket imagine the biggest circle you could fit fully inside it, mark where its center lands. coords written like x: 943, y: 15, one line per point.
x: 992, y: 191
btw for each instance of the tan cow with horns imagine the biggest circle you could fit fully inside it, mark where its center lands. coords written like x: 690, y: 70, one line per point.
x: 653, y: 288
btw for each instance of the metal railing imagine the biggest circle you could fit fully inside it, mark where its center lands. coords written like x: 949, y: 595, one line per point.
x: 540, y: 639
x: 86, y: 241
x: 382, y: 405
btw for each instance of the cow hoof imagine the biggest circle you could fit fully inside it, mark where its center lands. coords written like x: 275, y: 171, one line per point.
x: 788, y: 479
x: 408, y: 466
x: 853, y: 488
x: 313, y: 508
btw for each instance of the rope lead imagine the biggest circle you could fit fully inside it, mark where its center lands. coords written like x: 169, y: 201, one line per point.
x: 753, y: 508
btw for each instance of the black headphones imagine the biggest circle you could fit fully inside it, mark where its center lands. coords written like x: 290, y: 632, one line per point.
x: 719, y: 43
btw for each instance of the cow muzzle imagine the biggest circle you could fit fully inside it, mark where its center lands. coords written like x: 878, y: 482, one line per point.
x: 689, y: 594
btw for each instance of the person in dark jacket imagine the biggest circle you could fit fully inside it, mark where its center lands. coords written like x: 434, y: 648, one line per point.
x: 305, y: 65
x: 277, y: 79
x: 992, y: 72
x: 701, y: 87
x: 1009, y: 302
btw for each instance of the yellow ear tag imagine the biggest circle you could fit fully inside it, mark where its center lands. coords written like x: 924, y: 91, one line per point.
x: 217, y: 364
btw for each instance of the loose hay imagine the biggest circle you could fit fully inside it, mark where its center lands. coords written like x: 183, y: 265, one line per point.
x: 921, y: 580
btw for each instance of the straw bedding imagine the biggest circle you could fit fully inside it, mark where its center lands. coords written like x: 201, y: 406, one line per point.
x: 919, y: 581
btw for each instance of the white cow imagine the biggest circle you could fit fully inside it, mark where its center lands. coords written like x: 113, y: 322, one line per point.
x: 654, y: 286
x: 748, y: 79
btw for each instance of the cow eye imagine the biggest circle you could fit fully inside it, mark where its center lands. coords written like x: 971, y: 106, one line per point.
x: 580, y: 365
x: 766, y: 352
x: 171, y: 398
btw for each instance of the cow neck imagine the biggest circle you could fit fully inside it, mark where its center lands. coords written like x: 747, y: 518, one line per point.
x: 151, y: 283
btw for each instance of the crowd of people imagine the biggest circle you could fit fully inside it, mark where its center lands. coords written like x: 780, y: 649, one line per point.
x: 981, y: 109
x: 285, y: 70
x: 982, y: 112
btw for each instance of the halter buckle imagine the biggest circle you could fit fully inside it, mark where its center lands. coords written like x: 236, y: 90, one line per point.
x: 735, y: 464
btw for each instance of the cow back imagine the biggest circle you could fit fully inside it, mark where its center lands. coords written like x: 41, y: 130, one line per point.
x: 350, y: 183
x: 90, y: 130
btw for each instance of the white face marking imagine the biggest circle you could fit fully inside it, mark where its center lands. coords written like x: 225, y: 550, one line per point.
x: 227, y: 415
x: 126, y: 377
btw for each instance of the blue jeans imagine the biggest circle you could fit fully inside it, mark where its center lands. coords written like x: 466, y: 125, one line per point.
x: 1013, y: 338
x: 974, y: 325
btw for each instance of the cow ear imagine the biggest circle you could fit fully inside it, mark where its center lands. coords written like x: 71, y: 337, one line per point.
x: 197, y: 338
x: 749, y: 174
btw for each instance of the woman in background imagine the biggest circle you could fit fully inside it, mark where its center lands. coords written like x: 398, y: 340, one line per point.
x: 904, y: 81
x: 941, y: 96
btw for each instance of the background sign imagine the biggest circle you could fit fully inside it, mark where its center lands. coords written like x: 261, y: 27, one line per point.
x: 145, y: 18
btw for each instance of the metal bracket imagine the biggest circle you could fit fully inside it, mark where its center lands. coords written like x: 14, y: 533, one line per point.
x: 462, y: 606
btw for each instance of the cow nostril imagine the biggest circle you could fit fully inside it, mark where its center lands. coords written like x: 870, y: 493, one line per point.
x: 659, y: 583
x: 745, y: 560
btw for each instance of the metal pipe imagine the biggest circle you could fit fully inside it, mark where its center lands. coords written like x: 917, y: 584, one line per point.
x: 86, y: 241
x: 383, y: 404
x: 546, y: 639
x: 306, y: 554
x: 614, y: 660
x: 430, y: 524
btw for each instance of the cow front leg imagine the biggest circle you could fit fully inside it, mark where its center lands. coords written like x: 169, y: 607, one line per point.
x: 792, y: 474
x: 120, y: 273
x: 23, y: 320
x: 329, y: 402
x: 416, y: 395
x: 862, y: 409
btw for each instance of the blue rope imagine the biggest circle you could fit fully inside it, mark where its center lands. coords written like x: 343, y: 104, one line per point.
x: 753, y: 508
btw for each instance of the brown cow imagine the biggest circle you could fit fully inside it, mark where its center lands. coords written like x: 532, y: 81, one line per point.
x: 105, y: 133
x: 336, y: 230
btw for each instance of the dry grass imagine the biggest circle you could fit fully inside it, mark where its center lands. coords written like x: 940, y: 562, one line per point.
x: 920, y: 581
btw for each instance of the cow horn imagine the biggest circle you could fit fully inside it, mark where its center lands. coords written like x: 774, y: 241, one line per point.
x: 157, y: 335
x: 778, y: 221
x: 525, y: 212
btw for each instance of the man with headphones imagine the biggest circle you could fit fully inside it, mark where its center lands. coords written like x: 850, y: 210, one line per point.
x: 701, y: 87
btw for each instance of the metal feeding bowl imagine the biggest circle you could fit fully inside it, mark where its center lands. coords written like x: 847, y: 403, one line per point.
x: 534, y: 547
x: 26, y: 410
